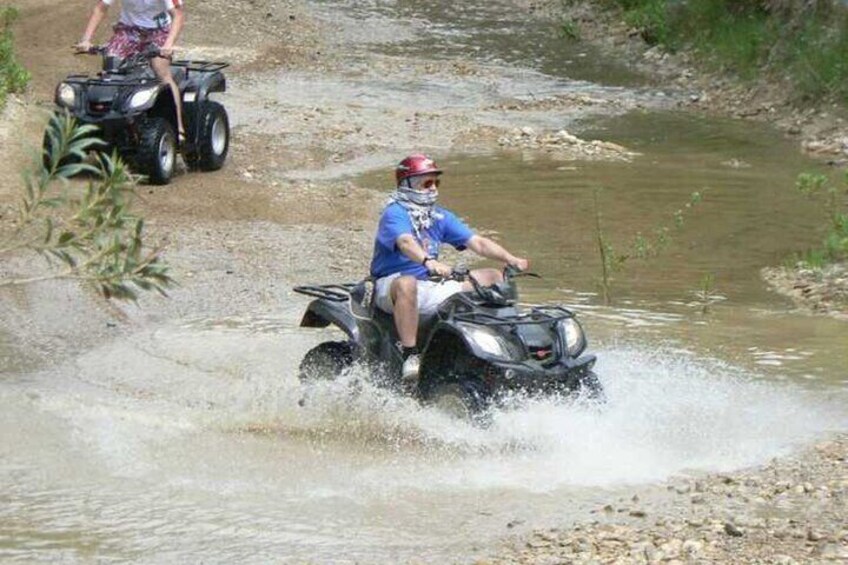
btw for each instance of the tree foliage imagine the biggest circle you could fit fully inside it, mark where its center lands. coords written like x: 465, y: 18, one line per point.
x: 89, y: 234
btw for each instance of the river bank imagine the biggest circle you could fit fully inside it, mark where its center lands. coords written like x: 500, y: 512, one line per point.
x: 283, y: 212
x: 820, y: 130
x: 790, y: 511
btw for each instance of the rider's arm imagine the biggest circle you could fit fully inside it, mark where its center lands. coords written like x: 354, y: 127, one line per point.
x: 97, y: 15
x: 487, y: 248
x: 409, y: 246
x: 177, y: 21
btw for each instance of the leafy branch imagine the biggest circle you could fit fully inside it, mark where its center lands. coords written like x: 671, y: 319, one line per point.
x: 641, y: 247
x: 90, y: 236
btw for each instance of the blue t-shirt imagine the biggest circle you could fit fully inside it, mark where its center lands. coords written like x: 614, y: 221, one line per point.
x: 395, y: 222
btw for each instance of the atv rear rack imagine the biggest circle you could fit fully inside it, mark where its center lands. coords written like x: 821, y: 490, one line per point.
x: 537, y: 315
x: 331, y: 292
x: 200, y: 66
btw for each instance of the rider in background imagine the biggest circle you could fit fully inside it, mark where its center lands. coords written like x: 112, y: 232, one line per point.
x: 143, y: 23
x: 406, y: 253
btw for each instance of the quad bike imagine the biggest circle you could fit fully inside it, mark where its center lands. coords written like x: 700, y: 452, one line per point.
x: 477, y: 351
x: 136, y: 113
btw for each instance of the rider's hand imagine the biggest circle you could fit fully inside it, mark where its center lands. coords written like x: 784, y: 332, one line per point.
x: 83, y: 46
x: 435, y: 267
x: 519, y: 263
x: 166, y: 52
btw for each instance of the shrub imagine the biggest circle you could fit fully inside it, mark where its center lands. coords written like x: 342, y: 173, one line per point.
x: 13, y: 77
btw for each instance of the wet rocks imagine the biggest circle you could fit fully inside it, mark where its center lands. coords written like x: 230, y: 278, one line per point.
x: 792, y: 510
x: 564, y: 144
x: 818, y: 290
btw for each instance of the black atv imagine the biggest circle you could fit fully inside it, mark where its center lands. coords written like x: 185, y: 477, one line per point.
x: 478, y: 350
x: 136, y: 113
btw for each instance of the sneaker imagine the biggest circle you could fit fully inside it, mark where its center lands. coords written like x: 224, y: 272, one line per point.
x: 409, y: 372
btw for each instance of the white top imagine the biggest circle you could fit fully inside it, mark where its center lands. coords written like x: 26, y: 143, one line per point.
x: 146, y: 13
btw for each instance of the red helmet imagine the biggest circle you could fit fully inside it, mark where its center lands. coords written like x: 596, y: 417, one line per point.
x: 414, y: 165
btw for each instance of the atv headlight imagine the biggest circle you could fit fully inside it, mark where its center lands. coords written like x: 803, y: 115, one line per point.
x: 488, y: 341
x: 571, y: 336
x: 143, y: 97
x: 66, y: 95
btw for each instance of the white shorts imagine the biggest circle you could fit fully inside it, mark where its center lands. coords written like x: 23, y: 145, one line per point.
x: 430, y: 293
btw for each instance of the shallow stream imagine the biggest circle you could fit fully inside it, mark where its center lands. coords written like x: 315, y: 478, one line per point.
x: 185, y: 442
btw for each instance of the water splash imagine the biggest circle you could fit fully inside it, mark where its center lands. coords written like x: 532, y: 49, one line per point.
x: 667, y: 413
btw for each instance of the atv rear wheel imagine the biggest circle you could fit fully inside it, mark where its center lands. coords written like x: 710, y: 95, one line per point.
x: 213, y: 140
x: 326, y: 361
x: 157, y: 150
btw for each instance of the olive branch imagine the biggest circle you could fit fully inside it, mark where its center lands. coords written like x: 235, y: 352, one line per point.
x: 88, y: 235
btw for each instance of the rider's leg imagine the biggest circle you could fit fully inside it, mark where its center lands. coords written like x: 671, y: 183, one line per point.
x: 162, y: 68
x: 486, y: 277
x: 404, y: 294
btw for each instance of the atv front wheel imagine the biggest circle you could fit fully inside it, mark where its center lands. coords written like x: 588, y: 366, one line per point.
x: 213, y: 140
x: 157, y: 150
x: 326, y: 361
x: 591, y: 389
x: 461, y: 399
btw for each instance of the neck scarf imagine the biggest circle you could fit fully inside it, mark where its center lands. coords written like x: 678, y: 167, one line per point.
x: 420, y: 206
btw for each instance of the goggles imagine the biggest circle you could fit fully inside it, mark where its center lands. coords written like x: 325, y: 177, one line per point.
x: 418, y: 183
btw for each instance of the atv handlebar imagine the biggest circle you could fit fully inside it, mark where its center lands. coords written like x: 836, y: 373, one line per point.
x: 462, y: 274
x: 92, y: 50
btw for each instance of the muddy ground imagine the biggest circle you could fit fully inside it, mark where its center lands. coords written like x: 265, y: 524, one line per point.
x: 238, y: 239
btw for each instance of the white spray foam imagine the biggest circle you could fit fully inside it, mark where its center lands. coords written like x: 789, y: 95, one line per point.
x: 666, y: 414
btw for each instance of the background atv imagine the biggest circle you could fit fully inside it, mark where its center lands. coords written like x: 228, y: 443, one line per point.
x: 477, y: 350
x: 136, y: 113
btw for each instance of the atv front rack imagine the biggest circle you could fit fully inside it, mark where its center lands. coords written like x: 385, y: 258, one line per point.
x: 95, y: 81
x: 537, y: 315
x: 331, y: 292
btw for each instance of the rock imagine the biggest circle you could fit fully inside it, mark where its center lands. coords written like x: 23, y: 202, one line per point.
x: 731, y: 530
x: 833, y: 551
x: 813, y: 535
x: 692, y: 548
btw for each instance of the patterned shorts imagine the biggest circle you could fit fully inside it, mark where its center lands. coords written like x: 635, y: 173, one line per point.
x: 129, y: 40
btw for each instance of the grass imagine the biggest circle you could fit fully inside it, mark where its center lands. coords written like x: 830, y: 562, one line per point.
x: 834, y: 247
x: 13, y: 77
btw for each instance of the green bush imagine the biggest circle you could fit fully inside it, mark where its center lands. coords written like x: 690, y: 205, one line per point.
x: 806, y: 42
x: 835, y: 244
x: 13, y: 77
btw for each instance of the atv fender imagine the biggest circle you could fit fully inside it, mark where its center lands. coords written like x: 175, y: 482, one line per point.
x: 322, y: 313
x: 215, y: 83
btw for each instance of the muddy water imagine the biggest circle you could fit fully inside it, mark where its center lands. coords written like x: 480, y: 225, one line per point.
x: 186, y: 442
x: 750, y: 217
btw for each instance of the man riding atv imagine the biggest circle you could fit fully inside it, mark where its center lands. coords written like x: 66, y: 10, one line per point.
x: 406, y: 255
